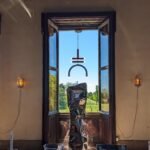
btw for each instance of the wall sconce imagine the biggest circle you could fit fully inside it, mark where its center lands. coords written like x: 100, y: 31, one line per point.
x: 137, y: 80
x: 20, y: 82
x: 117, y: 138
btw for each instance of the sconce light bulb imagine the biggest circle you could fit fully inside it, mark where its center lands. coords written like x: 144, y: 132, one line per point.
x: 20, y: 82
x: 117, y: 138
x: 137, y: 81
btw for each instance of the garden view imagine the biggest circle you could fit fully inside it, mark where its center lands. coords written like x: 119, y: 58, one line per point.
x: 88, y: 45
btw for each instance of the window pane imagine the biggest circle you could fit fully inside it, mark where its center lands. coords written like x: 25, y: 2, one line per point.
x: 105, y: 91
x: 52, y: 50
x: 52, y: 91
x: 104, y: 69
x: 104, y: 50
x: 88, y: 46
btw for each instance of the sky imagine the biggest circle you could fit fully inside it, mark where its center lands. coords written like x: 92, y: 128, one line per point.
x: 88, y: 46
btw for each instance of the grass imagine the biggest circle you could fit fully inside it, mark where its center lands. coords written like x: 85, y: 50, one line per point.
x: 105, y: 107
x: 91, y: 106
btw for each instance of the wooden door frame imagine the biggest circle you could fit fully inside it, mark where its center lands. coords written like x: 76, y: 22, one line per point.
x: 44, y: 26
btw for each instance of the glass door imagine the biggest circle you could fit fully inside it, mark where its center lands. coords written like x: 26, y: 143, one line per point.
x: 107, y: 80
x: 53, y: 67
x: 104, y: 72
x: 50, y: 79
x: 104, y: 23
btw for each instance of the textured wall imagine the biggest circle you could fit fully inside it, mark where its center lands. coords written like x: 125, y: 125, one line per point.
x: 132, y: 56
x: 21, y: 54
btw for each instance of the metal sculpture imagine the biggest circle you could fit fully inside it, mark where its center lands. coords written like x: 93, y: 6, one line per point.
x: 77, y: 96
x: 86, y: 72
x: 78, y: 59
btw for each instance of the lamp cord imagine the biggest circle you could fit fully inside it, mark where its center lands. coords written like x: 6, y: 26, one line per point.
x: 18, y: 114
x: 135, y: 117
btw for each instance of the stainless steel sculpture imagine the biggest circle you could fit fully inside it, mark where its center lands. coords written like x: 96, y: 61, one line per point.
x: 77, y: 96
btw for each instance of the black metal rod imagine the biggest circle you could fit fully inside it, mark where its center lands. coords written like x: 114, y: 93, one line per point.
x: 77, y: 53
x: 86, y: 72
x: 78, y: 61
x: 80, y: 58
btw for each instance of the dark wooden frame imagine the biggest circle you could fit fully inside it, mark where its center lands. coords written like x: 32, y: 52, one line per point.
x: 44, y: 23
x: 0, y: 23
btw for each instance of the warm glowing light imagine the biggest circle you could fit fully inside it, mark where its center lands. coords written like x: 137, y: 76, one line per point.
x: 137, y: 81
x: 117, y: 138
x: 20, y: 82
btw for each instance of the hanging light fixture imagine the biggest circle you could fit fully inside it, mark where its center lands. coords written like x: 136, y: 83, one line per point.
x: 78, y: 59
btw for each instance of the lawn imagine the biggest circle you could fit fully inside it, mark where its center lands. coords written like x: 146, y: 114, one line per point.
x: 91, y: 106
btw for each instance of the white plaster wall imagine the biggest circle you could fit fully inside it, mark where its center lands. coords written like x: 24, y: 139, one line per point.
x: 21, y: 54
x: 132, y: 57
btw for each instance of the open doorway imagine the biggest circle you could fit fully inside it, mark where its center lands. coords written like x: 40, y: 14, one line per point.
x: 60, y: 42
x: 86, y: 42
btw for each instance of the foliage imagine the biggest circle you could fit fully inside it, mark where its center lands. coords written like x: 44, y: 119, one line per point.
x: 63, y: 104
x: 92, y: 99
x: 92, y: 104
x: 52, y: 92
x: 62, y: 97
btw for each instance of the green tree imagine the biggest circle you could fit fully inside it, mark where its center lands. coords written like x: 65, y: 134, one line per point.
x: 104, y: 95
x: 52, y: 92
x: 90, y: 95
x: 62, y: 97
